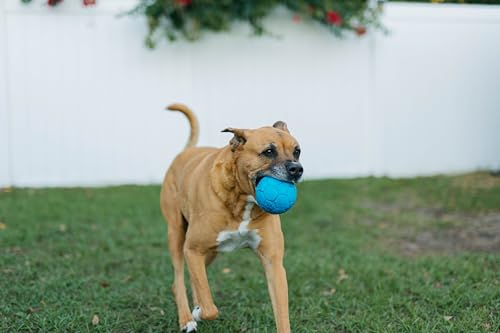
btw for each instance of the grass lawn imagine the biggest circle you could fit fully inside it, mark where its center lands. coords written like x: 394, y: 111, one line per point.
x: 362, y: 255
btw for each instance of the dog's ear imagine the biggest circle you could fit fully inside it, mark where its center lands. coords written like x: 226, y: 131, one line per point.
x: 281, y: 125
x: 238, y: 139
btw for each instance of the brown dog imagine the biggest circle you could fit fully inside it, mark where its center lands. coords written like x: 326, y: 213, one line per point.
x: 208, y: 201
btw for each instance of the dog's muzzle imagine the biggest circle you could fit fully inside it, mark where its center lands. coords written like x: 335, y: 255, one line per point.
x: 294, y: 170
x: 288, y: 171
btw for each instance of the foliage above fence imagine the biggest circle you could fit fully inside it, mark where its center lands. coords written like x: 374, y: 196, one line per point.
x: 189, y: 18
x: 55, y: 2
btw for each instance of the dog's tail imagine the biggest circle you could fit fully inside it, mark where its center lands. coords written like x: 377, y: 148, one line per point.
x: 193, y: 122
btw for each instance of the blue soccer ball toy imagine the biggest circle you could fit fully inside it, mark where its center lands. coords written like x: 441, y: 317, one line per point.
x: 275, y: 196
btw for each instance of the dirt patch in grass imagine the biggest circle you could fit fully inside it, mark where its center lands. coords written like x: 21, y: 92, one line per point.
x: 466, y: 234
x: 458, y: 214
x: 403, y: 202
x: 478, y: 180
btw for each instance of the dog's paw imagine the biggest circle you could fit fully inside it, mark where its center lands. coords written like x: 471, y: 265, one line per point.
x: 189, y: 327
x: 197, y: 313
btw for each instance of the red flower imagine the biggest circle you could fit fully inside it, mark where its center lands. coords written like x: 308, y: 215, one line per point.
x: 53, y: 2
x: 333, y: 18
x: 360, y: 31
x: 296, y: 18
x: 183, y: 3
x: 89, y: 2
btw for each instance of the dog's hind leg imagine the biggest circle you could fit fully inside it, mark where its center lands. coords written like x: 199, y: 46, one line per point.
x: 176, y: 243
x: 176, y: 237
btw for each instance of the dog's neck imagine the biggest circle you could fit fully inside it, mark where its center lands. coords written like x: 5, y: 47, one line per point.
x: 225, y: 182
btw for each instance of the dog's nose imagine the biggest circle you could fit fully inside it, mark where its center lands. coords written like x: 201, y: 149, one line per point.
x: 294, y: 169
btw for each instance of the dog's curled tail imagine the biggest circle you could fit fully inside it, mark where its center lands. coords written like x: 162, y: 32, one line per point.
x: 193, y: 122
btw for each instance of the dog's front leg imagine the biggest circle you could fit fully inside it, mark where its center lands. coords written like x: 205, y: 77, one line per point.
x: 271, y: 254
x: 196, y: 265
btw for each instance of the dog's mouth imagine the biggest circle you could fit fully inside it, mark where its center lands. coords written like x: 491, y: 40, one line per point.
x: 255, y: 181
x: 270, y: 173
x: 258, y: 177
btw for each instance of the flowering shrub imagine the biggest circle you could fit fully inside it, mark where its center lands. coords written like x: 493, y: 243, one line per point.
x: 55, y: 2
x: 188, y: 18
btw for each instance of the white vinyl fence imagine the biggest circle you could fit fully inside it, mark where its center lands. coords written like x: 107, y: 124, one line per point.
x: 81, y: 99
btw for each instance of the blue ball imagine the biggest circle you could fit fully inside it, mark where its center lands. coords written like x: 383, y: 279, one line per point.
x: 275, y: 196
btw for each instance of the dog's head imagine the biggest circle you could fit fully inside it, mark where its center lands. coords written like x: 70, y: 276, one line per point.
x: 267, y: 151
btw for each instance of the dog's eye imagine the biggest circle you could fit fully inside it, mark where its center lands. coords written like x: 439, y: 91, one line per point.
x: 296, y: 153
x: 269, y: 152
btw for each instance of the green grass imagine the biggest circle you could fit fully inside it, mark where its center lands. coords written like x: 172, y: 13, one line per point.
x: 414, y: 251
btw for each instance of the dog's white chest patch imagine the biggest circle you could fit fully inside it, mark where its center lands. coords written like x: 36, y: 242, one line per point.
x: 228, y: 241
